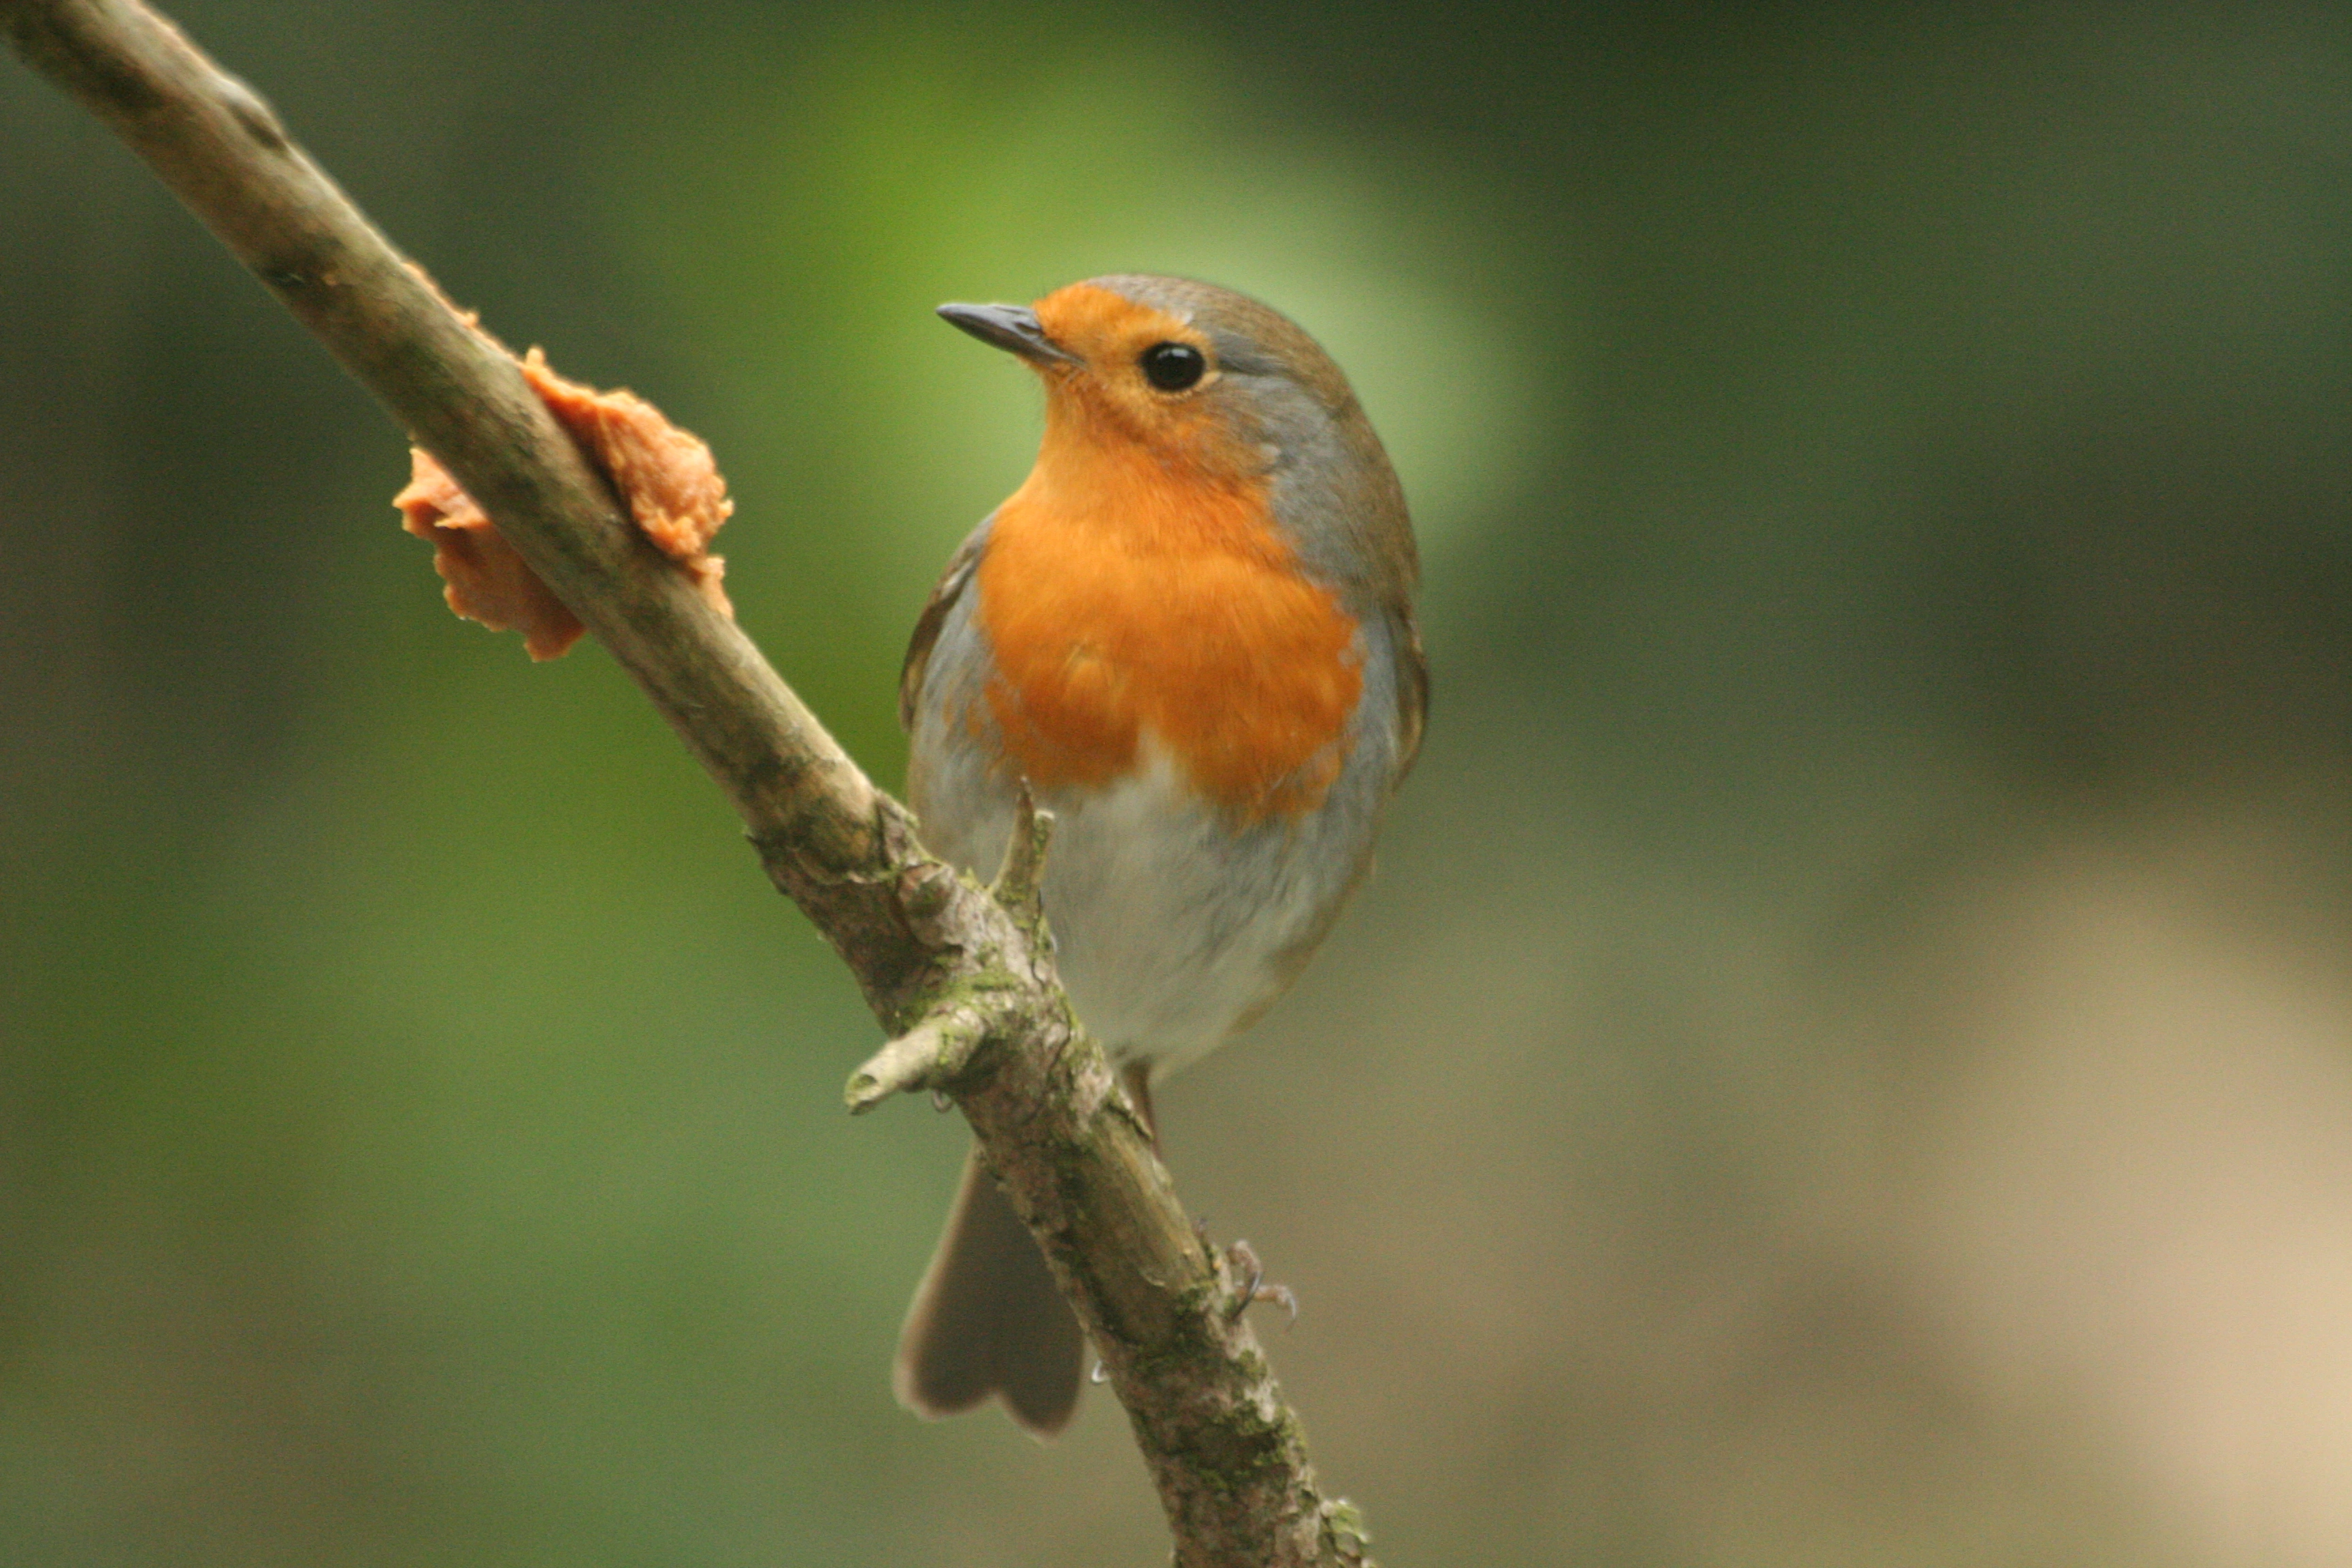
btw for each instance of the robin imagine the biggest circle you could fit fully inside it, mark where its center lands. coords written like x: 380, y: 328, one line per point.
x: 1192, y: 632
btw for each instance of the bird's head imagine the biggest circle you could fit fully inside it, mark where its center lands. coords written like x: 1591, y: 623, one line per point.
x: 1197, y: 375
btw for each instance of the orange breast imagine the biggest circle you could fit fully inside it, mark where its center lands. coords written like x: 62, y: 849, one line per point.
x: 1124, y: 598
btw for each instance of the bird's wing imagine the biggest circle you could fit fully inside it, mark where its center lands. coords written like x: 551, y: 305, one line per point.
x: 1412, y: 684
x: 951, y: 586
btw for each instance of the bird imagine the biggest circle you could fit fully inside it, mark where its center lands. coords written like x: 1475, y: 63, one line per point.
x: 1191, y: 634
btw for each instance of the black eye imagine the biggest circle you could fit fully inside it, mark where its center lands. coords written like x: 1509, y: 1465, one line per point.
x: 1172, y: 367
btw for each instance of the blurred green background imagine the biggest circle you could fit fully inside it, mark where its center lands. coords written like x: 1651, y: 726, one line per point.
x: 1847, y: 1060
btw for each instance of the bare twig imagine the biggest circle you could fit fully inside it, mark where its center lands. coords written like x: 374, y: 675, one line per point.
x: 932, y: 1055
x: 1019, y: 881
x: 962, y: 979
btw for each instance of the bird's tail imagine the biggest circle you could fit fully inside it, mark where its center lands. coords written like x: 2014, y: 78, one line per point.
x: 989, y: 1319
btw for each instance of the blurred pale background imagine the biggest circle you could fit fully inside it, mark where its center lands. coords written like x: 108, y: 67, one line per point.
x: 1847, y: 1060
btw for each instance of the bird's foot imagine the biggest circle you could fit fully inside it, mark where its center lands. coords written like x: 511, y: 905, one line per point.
x: 1240, y: 1262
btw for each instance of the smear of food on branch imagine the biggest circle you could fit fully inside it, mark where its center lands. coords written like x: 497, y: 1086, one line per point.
x: 664, y: 476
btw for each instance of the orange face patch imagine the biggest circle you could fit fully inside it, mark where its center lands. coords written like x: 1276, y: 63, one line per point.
x: 1107, y: 329
x: 1110, y: 332
x: 1132, y: 588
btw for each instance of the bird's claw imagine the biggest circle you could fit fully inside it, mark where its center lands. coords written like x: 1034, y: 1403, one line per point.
x: 1242, y: 1258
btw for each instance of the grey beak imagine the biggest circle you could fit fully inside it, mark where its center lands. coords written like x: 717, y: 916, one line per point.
x: 1011, y: 327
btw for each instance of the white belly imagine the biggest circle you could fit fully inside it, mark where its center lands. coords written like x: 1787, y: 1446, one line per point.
x: 1171, y: 924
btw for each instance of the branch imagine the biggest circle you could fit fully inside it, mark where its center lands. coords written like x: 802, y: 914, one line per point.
x: 963, y: 980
